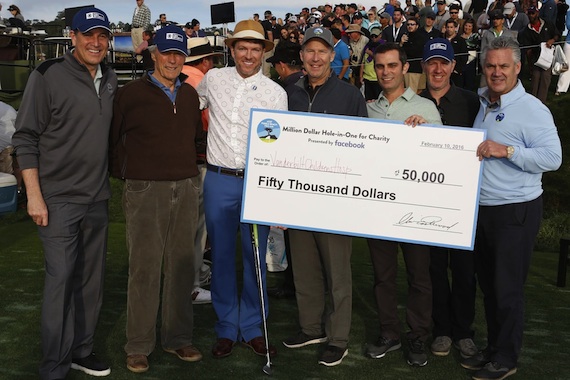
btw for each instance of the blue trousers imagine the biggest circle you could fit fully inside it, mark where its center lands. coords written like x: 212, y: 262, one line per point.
x: 238, y: 316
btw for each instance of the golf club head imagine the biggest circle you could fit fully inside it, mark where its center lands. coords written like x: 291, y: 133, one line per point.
x: 267, y: 369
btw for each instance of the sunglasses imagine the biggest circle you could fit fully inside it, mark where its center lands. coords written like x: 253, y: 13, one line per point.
x: 454, y: 13
x: 412, y: 25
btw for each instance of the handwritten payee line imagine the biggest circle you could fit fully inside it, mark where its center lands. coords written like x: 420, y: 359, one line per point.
x: 314, y: 170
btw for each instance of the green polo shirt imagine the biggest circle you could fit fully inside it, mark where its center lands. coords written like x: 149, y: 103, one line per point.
x: 406, y: 105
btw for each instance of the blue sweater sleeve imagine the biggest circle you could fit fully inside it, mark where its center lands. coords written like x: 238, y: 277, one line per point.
x: 542, y: 150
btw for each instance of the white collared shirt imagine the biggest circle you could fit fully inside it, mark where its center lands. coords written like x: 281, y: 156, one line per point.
x: 97, y: 79
x: 229, y: 97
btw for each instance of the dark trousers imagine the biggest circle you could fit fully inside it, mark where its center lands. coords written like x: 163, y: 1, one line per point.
x: 453, y: 303
x: 75, y: 246
x: 503, y: 247
x: 540, y: 82
x: 384, y: 256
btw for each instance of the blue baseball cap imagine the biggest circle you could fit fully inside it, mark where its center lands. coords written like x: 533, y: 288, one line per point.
x: 90, y: 18
x: 438, y: 48
x: 171, y: 38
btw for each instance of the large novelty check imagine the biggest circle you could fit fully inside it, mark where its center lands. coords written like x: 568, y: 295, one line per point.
x: 363, y: 177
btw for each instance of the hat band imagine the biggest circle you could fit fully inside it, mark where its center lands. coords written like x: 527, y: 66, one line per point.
x: 201, y: 49
x: 249, y: 34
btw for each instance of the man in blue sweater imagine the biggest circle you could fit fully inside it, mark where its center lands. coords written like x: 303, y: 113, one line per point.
x: 522, y: 143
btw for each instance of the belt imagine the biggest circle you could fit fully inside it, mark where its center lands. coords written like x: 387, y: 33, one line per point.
x: 227, y: 171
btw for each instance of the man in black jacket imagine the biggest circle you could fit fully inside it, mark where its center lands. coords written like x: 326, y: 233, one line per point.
x: 537, y: 31
x: 413, y: 43
x: 319, y: 257
x: 459, y: 48
x: 453, y: 296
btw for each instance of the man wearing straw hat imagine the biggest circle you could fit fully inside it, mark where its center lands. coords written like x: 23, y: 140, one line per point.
x: 230, y: 93
x: 200, y: 60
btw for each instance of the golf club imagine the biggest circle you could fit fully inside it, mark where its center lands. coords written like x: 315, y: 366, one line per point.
x: 255, y: 242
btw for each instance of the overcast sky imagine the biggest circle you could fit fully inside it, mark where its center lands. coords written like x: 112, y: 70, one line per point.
x: 181, y: 11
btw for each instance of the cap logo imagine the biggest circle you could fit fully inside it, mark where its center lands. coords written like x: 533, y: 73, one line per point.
x: 318, y: 31
x: 174, y: 36
x: 94, y: 15
x: 438, y: 46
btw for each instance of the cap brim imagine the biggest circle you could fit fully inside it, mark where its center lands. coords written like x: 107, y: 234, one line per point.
x: 318, y: 38
x: 438, y: 56
x: 172, y: 49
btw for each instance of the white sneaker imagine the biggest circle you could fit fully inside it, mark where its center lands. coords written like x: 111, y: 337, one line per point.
x: 201, y: 296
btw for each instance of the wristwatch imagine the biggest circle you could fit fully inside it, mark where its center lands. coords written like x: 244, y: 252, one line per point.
x: 510, y: 151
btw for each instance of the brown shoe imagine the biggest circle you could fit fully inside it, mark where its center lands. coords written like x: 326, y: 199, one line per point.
x: 223, y: 348
x: 188, y: 353
x: 258, y: 346
x: 137, y: 363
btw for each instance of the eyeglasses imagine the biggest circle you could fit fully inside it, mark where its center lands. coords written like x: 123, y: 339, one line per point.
x: 370, y: 14
x: 412, y: 24
x: 454, y: 13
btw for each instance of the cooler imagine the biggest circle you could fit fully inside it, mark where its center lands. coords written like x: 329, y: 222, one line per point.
x: 8, y: 193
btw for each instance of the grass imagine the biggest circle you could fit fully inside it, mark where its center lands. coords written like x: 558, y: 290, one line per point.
x: 545, y: 352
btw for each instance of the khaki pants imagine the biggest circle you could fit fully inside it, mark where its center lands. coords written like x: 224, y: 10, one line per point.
x: 323, y: 283
x: 161, y: 218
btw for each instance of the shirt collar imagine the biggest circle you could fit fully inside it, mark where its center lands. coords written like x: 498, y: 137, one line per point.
x: 165, y: 89
x: 254, y: 78
x: 98, y: 77
x: 407, y: 95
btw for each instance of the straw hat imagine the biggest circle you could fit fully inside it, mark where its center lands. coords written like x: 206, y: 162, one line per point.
x: 199, y: 47
x: 249, y: 30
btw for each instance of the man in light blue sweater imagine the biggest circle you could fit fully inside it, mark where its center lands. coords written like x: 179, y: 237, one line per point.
x: 522, y: 143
